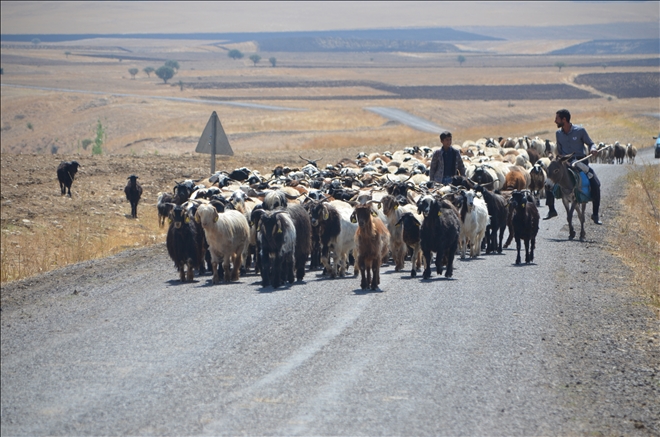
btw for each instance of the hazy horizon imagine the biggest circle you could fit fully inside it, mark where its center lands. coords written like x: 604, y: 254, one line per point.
x: 225, y: 17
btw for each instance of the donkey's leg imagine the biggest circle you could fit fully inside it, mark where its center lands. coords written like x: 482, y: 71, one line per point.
x: 581, y: 211
x: 569, y: 217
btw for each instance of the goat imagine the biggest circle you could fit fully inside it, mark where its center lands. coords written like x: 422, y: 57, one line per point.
x: 66, y: 172
x: 164, y: 206
x: 397, y: 246
x: 498, y: 212
x: 525, y: 224
x: 183, y: 244
x: 336, y: 233
x: 474, y: 221
x: 133, y: 191
x: 277, y: 243
x: 439, y: 233
x: 278, y: 199
x: 537, y: 177
x: 410, y: 234
x: 303, y: 225
x: 631, y: 153
x: 227, y: 234
x: 183, y: 191
x: 619, y: 153
x: 372, y: 244
x: 516, y: 179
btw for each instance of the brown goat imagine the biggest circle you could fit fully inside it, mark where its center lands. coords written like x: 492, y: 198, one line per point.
x: 516, y: 179
x: 372, y: 244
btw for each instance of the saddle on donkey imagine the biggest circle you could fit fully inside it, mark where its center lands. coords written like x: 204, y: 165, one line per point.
x: 582, y: 188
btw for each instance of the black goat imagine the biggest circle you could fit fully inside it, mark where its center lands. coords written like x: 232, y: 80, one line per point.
x: 525, y: 224
x: 303, y: 225
x: 182, y: 243
x: 498, y: 212
x: 183, y: 190
x: 164, y: 206
x: 439, y: 233
x: 277, y: 241
x: 66, y: 172
x: 133, y: 191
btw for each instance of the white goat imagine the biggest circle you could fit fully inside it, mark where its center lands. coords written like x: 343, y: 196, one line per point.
x: 227, y: 234
x: 474, y: 218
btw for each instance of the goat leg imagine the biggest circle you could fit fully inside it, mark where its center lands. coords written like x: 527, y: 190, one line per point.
x: 527, y: 258
x: 182, y: 273
x: 216, y: 276
x: 375, y: 280
x: 190, y: 276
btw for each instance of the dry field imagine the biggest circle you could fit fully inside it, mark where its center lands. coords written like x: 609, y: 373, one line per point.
x: 155, y: 138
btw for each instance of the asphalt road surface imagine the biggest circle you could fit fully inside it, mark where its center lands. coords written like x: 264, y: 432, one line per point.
x: 119, y: 346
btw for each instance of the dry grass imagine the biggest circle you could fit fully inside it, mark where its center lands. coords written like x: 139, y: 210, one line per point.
x: 638, y: 242
x: 42, y: 244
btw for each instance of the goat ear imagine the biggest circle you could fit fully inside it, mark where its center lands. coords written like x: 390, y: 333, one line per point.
x: 374, y: 213
x: 197, y: 218
x: 326, y: 215
x: 187, y: 220
x: 215, y: 219
x: 353, y: 219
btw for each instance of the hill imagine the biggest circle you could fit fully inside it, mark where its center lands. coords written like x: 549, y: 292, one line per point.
x: 613, y: 47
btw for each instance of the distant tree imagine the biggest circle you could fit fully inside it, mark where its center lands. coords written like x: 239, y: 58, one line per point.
x: 604, y: 66
x: 235, y: 54
x: 255, y: 58
x: 149, y: 70
x: 173, y: 64
x: 165, y: 73
x: 560, y: 65
x: 272, y: 61
x: 67, y: 54
x: 133, y: 72
x: 460, y: 59
x: 36, y: 41
x: 181, y: 85
x: 86, y: 142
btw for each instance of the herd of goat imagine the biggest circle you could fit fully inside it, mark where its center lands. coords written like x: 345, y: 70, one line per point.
x: 359, y: 212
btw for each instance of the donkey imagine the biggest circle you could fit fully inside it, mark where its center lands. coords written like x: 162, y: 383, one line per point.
x: 561, y: 173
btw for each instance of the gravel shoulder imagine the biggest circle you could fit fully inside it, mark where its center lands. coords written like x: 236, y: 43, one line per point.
x: 606, y: 339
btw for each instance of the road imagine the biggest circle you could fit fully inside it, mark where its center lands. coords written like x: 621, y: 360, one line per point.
x: 119, y: 346
x: 406, y: 118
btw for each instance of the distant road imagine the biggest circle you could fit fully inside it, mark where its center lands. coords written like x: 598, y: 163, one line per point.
x: 176, y: 99
x: 407, y: 119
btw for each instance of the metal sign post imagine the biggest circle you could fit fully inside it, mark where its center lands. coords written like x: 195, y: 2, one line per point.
x: 214, y: 140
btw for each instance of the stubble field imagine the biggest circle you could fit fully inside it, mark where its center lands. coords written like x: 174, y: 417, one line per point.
x: 155, y: 138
